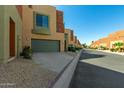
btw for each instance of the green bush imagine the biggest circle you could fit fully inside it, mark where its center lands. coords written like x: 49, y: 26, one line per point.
x: 103, y: 48
x: 27, y: 52
x: 122, y: 49
x: 72, y: 49
x: 114, y: 50
x: 77, y: 48
x: 94, y: 48
x: 119, y: 46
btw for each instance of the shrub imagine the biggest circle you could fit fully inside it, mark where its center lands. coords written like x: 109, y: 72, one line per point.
x: 114, y: 50
x: 103, y: 48
x: 72, y: 48
x: 77, y: 48
x: 27, y: 52
x: 122, y: 49
x: 119, y: 46
x: 93, y: 47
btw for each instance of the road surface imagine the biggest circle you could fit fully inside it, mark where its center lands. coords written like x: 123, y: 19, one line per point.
x: 99, y: 70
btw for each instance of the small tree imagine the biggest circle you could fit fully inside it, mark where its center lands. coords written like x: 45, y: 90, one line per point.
x: 119, y: 46
x: 84, y: 45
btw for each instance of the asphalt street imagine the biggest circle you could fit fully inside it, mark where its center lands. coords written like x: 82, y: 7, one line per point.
x: 97, y: 69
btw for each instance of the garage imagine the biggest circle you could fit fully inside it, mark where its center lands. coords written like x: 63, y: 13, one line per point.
x: 45, y: 45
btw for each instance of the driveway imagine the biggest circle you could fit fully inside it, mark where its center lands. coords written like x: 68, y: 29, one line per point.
x: 53, y: 61
x: 99, y: 70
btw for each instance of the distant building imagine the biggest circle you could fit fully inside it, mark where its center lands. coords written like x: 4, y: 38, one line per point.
x: 109, y: 40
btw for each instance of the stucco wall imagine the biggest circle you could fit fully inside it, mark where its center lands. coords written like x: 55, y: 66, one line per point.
x: 59, y: 21
x: 19, y: 8
x: 28, y: 17
x: 27, y: 20
x: 1, y: 32
x: 68, y: 31
x: 113, y: 37
x: 76, y: 41
x: 8, y: 11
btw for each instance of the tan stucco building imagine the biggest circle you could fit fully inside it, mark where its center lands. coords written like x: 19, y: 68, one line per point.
x: 70, y: 36
x: 72, y: 40
x: 34, y: 32
x: 39, y: 26
x: 117, y: 36
x: 10, y: 33
x: 108, y: 41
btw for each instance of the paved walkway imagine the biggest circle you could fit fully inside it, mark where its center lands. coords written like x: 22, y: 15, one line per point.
x: 53, y: 61
x: 108, y: 51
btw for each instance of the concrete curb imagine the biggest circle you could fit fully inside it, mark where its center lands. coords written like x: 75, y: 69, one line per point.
x: 64, y: 77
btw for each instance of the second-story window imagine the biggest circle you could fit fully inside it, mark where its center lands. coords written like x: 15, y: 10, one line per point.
x: 42, y: 20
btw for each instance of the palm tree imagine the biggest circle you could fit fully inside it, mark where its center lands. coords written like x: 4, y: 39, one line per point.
x: 119, y: 45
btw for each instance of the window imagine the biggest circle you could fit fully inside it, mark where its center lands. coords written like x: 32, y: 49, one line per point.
x: 42, y: 20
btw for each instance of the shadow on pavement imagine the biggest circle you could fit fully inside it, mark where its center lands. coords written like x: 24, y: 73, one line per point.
x: 91, y: 76
x: 85, y: 55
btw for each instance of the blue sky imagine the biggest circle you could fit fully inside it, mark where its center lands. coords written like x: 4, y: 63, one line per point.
x: 92, y: 22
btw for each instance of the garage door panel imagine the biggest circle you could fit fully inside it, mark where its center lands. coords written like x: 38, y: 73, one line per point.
x: 45, y: 46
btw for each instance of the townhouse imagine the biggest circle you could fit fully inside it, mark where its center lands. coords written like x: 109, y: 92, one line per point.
x: 76, y: 41
x: 71, y: 39
x: 116, y: 37
x: 39, y: 26
x: 108, y: 41
x: 79, y: 44
x: 104, y: 42
x: 95, y: 44
x: 10, y: 32
x: 43, y: 28
x: 70, y: 35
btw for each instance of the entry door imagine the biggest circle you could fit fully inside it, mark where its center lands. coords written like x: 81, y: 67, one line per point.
x: 65, y: 45
x: 12, y: 38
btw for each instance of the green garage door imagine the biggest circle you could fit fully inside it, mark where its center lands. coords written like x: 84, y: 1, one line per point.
x: 45, y: 45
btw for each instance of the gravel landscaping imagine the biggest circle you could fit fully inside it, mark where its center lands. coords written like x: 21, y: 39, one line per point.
x: 24, y: 73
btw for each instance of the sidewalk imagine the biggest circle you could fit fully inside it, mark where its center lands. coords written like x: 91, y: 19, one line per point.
x: 108, y: 51
x: 38, y: 72
x: 53, y: 61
